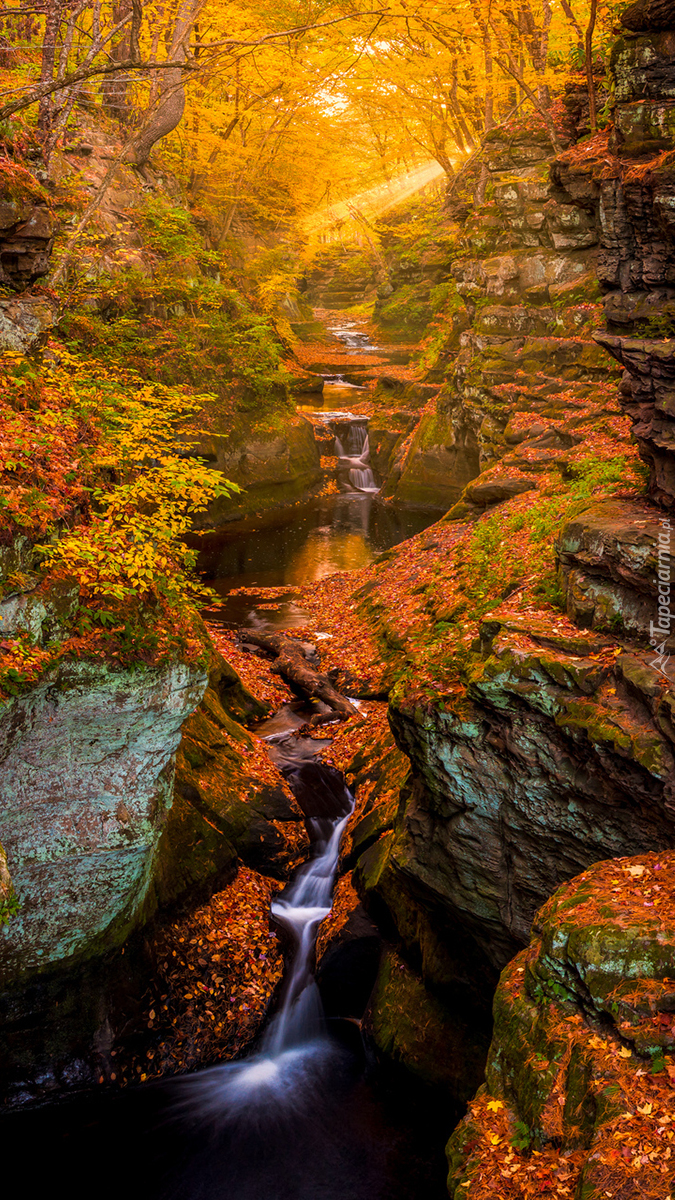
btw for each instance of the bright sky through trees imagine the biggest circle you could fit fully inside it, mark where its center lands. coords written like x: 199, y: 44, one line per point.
x: 287, y: 106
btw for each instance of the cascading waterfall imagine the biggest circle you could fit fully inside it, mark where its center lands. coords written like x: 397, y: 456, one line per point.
x: 295, y: 1047
x: 354, y: 458
x: 306, y: 904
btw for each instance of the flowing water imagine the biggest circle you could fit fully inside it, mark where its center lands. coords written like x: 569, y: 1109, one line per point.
x: 354, y: 470
x: 307, y: 1115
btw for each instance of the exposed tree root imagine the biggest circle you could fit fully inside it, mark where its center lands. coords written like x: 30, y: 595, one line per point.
x: 293, y: 666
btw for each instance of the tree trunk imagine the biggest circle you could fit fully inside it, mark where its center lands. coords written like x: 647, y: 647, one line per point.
x: 115, y: 87
x: 511, y: 69
x: 567, y: 9
x: 481, y: 186
x: 292, y: 664
x: 171, y: 95
x: 489, y: 119
x: 52, y: 23
x: 592, y: 106
x: 167, y: 117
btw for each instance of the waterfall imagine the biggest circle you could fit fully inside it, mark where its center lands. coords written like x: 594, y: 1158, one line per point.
x: 301, y: 911
x: 295, y: 1049
x: 356, y: 474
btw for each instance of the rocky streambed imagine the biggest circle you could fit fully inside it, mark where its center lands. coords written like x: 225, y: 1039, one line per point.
x: 510, y: 851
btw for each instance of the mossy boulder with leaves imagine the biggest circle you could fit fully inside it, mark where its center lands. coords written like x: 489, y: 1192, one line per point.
x: 578, y: 1090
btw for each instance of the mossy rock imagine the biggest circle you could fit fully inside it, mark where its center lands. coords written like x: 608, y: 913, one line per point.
x: 412, y: 1027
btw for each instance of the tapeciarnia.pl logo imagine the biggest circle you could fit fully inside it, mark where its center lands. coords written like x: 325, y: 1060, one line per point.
x: 659, y: 631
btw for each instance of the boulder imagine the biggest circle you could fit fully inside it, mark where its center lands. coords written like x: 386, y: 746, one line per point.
x: 227, y: 801
x: 649, y: 15
x: 581, y: 1057
x: 273, y: 459
x: 86, y: 773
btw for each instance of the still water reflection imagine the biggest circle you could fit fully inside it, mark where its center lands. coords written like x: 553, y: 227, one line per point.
x: 333, y: 533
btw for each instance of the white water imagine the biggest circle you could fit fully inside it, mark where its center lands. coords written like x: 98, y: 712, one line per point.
x: 295, y: 1048
x: 301, y: 911
x: 354, y: 458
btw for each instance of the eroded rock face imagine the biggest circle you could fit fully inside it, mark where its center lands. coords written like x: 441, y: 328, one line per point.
x: 86, y: 774
x: 561, y: 754
x: 411, y: 1026
x: 647, y: 394
x: 523, y: 268
x: 227, y: 802
x: 27, y: 230
x: 610, y: 559
x: 24, y: 321
x: 119, y: 807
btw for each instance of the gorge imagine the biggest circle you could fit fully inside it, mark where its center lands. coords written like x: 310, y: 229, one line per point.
x: 336, y: 694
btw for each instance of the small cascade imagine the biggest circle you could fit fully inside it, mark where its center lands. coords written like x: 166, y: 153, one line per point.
x: 353, y: 451
x: 295, y: 1049
x: 300, y: 912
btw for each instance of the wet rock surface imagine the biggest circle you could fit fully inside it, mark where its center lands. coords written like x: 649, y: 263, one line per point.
x: 229, y: 803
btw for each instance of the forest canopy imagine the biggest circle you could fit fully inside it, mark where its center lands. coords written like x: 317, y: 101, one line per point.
x: 287, y: 106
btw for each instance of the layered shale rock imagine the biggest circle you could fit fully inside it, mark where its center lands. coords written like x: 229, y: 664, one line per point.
x: 522, y: 299
x: 612, y: 559
x: 561, y: 754
x: 27, y: 229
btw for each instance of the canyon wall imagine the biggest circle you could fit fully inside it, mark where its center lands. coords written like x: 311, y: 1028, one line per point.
x: 128, y: 790
x: 540, y: 735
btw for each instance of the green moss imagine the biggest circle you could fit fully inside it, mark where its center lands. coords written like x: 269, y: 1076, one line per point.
x: 411, y: 1026
x: 373, y: 861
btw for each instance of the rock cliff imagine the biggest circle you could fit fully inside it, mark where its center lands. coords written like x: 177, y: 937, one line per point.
x: 532, y: 655
x: 516, y: 299
x: 27, y: 229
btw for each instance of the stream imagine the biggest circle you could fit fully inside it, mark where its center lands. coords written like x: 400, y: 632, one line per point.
x: 316, y: 538
x: 308, y: 1114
